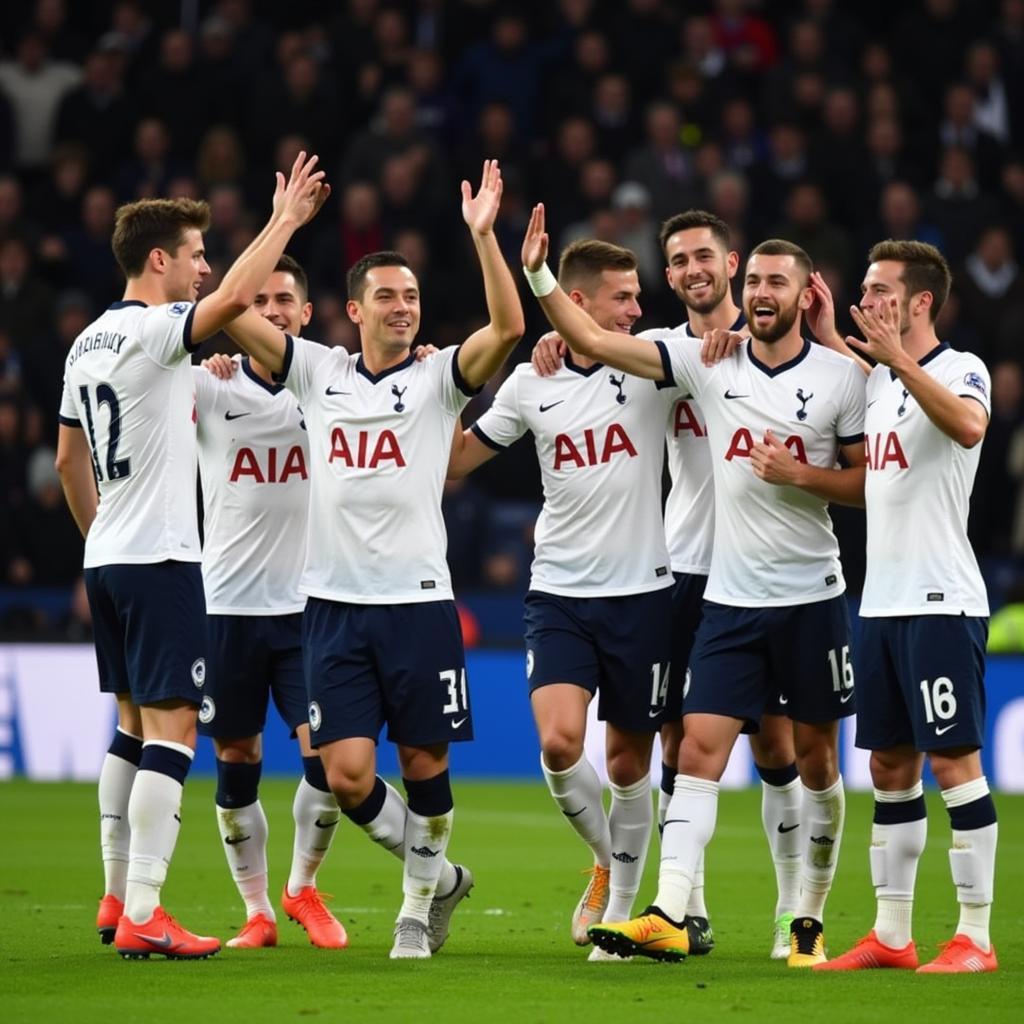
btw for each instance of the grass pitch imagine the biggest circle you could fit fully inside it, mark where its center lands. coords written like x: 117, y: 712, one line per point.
x: 509, y: 954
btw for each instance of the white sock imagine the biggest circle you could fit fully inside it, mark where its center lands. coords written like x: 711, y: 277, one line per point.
x: 664, y: 799
x: 426, y: 840
x: 972, y: 861
x: 316, y: 815
x: 387, y: 830
x: 578, y: 793
x: 243, y: 831
x: 114, y: 790
x: 896, y: 849
x: 695, y: 906
x: 689, y: 826
x: 629, y: 824
x: 154, y: 815
x: 822, y: 816
x: 780, y: 812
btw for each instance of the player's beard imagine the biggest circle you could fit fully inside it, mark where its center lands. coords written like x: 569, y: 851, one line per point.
x: 719, y: 286
x: 784, y: 320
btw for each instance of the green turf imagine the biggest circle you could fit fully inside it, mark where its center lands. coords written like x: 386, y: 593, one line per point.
x: 509, y: 954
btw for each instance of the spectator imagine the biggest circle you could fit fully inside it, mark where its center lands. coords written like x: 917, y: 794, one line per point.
x: 991, y: 286
x: 807, y: 225
x: 25, y: 301
x: 662, y: 165
x: 90, y: 260
x: 991, y: 113
x: 958, y: 206
x: 356, y: 233
x: 146, y: 173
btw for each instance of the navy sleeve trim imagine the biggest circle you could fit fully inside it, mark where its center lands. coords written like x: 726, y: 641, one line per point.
x: 669, y: 380
x: 186, y: 334
x: 460, y: 381
x: 68, y: 421
x: 975, y: 398
x: 484, y: 439
x: 286, y: 365
x: 852, y: 439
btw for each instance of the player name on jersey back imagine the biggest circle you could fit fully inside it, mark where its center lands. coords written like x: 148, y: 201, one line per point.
x: 128, y: 385
x: 773, y: 545
x: 253, y: 461
x: 599, y: 437
x: 378, y: 456
x: 917, y: 492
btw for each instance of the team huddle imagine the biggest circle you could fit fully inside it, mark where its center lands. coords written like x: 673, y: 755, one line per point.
x: 322, y: 475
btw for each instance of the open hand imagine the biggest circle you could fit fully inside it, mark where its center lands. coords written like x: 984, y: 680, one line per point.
x: 222, y: 366
x: 535, y: 242
x: 821, y: 314
x: 300, y: 198
x: 717, y: 345
x: 548, y: 354
x: 880, y: 326
x: 480, y: 211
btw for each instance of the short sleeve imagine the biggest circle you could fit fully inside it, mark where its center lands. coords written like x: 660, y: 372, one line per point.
x: 853, y: 408
x: 165, y: 332
x: 302, y: 358
x: 502, y: 424
x: 453, y: 390
x: 968, y: 377
x: 68, y: 415
x: 680, y: 357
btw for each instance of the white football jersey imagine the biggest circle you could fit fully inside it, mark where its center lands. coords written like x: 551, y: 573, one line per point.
x: 253, y: 459
x: 128, y: 385
x: 690, y: 506
x: 918, y: 492
x: 378, y: 457
x: 600, y: 439
x: 773, y: 545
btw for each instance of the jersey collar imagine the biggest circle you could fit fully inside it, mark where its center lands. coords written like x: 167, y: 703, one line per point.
x: 738, y: 325
x: 583, y: 371
x: 927, y: 357
x: 274, y: 389
x: 125, y: 303
x: 375, y: 378
x: 774, y: 371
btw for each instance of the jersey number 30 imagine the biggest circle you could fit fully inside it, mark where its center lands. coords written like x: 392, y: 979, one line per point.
x: 117, y: 469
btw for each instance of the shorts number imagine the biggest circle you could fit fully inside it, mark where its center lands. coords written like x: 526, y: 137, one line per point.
x: 455, y: 680
x: 117, y: 468
x: 939, y: 700
x: 659, y: 683
x: 842, y: 668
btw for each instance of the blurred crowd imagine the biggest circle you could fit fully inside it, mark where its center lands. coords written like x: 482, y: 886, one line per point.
x: 830, y: 124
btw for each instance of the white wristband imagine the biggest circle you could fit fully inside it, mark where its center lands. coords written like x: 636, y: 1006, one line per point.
x: 542, y: 282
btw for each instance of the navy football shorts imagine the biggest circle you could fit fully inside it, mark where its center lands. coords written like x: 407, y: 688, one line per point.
x: 251, y: 659
x: 921, y: 681
x: 371, y: 664
x: 616, y: 647
x: 793, y: 660
x: 149, y: 627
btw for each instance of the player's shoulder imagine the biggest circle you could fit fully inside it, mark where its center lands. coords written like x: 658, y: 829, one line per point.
x: 826, y: 357
x: 954, y: 357
x: 664, y: 333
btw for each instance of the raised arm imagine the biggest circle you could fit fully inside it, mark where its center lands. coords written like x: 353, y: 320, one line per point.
x: 483, y: 352
x: 295, y: 202
x: 774, y: 463
x: 577, y: 327
x: 74, y: 466
x: 961, y: 418
x: 260, y: 338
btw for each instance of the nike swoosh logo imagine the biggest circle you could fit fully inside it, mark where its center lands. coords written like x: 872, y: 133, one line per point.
x: 654, y: 714
x: 329, y: 391
x: 544, y: 408
x: 783, y: 829
x: 783, y: 700
x: 945, y: 729
x: 846, y: 696
x: 680, y: 821
x: 575, y: 814
x: 730, y: 395
x: 325, y: 824
x: 455, y: 725
x: 229, y: 416
x: 235, y: 840
x: 163, y: 942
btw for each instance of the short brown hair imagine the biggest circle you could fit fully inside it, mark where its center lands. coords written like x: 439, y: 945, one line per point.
x: 289, y: 265
x: 780, y: 247
x: 355, y: 280
x: 689, y: 219
x: 924, y: 269
x: 150, y: 224
x: 582, y: 261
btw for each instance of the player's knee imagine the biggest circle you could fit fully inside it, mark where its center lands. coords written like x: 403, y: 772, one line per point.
x: 239, y: 751
x: 819, y: 766
x: 699, y: 756
x: 561, y: 749
x: 349, y: 783
x: 627, y: 767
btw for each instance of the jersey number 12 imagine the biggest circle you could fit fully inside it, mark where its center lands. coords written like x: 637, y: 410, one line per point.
x: 117, y: 469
